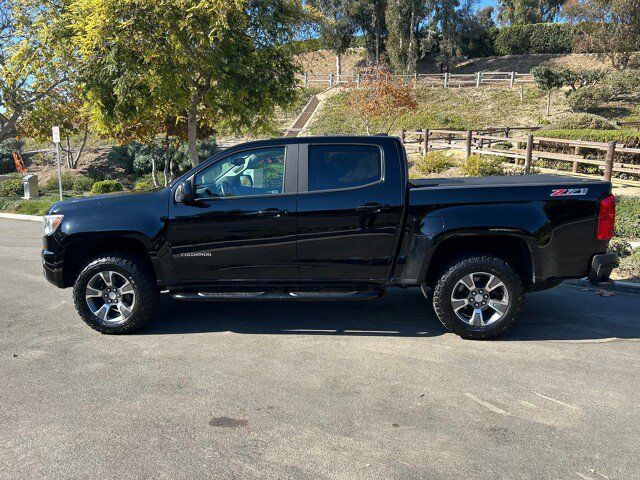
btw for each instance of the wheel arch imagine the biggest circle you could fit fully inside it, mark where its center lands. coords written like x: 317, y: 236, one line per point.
x: 81, y: 249
x: 511, y: 247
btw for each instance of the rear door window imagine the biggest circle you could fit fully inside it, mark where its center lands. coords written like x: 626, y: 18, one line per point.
x: 334, y: 167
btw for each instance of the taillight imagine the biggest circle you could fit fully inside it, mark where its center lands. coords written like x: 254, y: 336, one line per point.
x: 606, y: 218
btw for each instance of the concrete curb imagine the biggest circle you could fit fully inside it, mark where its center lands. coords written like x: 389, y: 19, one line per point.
x: 17, y: 216
x: 618, y: 286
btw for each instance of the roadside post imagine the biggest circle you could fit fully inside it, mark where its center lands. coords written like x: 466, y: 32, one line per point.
x: 55, y: 132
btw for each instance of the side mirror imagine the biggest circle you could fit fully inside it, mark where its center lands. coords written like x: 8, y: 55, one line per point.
x: 185, y: 193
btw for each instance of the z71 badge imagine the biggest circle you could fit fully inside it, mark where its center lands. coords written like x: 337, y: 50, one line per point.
x: 568, y: 192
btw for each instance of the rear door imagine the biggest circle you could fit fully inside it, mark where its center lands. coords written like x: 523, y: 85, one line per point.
x: 242, y: 225
x: 350, y: 207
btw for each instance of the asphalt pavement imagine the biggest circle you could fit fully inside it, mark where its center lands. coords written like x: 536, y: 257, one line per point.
x: 370, y: 390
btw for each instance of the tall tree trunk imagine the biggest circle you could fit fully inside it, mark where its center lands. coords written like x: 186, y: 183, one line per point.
x: 338, y: 67
x: 549, y: 103
x: 192, y: 124
x: 377, y: 41
x: 76, y: 159
x: 154, y: 170
x: 168, y: 158
x: 68, y: 152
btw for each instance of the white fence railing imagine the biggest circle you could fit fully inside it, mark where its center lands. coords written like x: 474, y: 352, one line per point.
x: 446, y: 80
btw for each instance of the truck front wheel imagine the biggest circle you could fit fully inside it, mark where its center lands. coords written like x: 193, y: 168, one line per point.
x: 116, y: 293
x: 478, y: 297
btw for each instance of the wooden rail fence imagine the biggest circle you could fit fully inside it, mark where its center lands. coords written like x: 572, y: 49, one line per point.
x: 523, y: 149
x: 446, y: 80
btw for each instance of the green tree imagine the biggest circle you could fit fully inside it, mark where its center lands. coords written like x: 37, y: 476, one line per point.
x: 369, y: 16
x: 336, y: 25
x: 611, y: 28
x: 204, y: 63
x: 29, y: 68
x: 549, y: 79
x: 404, y: 20
x: 512, y: 12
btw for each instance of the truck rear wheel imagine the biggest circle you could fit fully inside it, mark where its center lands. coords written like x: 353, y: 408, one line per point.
x: 116, y: 294
x: 478, y: 297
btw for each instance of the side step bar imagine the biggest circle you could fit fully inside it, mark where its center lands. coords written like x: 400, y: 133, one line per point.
x: 248, y: 296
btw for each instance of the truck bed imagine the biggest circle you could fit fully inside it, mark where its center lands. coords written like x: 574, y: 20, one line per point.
x: 500, y: 181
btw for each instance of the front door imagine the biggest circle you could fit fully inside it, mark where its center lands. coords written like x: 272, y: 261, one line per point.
x: 242, y: 224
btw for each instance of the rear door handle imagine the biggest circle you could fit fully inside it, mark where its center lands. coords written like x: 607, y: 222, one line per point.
x: 272, y: 212
x: 371, y: 207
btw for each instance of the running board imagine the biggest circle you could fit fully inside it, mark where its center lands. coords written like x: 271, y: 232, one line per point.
x: 247, y: 296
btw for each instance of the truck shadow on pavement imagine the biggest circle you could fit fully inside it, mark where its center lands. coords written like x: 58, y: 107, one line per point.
x: 565, y: 313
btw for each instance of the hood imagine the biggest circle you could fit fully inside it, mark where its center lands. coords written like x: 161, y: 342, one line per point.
x: 112, y: 203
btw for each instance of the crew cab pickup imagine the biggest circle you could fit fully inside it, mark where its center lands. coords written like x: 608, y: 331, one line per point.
x: 329, y: 218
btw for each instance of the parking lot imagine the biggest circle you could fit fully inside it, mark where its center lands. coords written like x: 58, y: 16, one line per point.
x: 313, y: 390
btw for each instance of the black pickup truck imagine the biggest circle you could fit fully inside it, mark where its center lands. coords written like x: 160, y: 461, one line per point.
x: 329, y: 218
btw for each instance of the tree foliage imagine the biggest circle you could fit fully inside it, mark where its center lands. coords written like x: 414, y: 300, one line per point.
x: 513, y: 12
x: 158, y: 65
x: 381, y: 100
x: 610, y: 28
x: 336, y: 26
x: 30, y: 69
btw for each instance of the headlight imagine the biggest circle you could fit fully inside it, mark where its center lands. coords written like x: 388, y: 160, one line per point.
x: 51, y: 223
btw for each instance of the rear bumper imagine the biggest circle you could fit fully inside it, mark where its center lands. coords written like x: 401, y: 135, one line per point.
x: 601, y: 267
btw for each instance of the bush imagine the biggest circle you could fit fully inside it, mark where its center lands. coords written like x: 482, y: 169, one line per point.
x: 82, y: 183
x: 11, y: 188
x: 627, y: 136
x: 34, y: 207
x: 433, y: 162
x: 477, y: 166
x: 106, y: 186
x: 51, y: 185
x: 535, y: 38
x: 628, y: 217
x: 144, y: 184
x: 588, y: 98
x: 574, y: 121
x: 621, y: 247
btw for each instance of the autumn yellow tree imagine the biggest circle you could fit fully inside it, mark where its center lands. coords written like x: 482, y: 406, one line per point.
x: 380, y: 100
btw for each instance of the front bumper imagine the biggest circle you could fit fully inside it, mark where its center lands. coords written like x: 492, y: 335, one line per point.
x: 52, y: 268
x: 601, y: 267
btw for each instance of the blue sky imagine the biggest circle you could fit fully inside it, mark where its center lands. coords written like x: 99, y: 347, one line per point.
x: 484, y: 3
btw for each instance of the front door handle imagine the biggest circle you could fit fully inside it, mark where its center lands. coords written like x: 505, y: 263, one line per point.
x: 371, y: 208
x: 272, y: 212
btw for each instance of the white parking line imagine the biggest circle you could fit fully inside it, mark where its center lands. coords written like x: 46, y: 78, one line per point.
x: 559, y: 402
x: 487, y: 405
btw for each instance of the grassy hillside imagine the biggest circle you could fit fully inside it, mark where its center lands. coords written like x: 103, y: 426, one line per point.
x: 463, y: 108
x: 324, y: 61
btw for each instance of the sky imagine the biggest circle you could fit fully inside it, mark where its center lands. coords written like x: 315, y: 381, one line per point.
x: 484, y: 3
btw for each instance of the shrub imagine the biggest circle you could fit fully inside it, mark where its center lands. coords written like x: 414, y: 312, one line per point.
x: 433, y: 162
x: 106, y: 186
x: 477, y: 166
x: 581, y: 120
x: 628, y: 136
x: 51, y: 185
x: 11, y: 188
x: 34, y: 207
x: 621, y: 247
x: 628, y: 217
x: 588, y: 98
x: 144, y: 184
x: 535, y: 38
x: 82, y: 183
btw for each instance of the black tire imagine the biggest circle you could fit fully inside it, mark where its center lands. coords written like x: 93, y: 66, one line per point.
x: 142, y: 279
x: 461, y: 268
